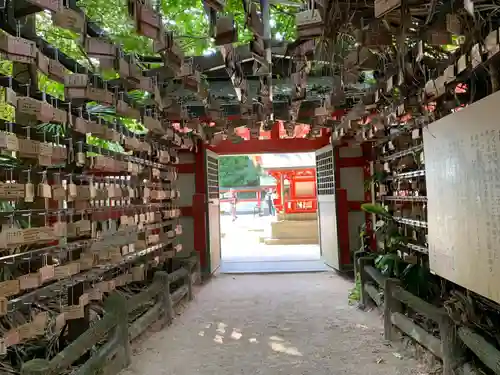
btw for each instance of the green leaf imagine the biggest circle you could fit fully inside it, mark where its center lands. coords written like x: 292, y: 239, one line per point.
x: 387, y: 263
x: 377, y: 209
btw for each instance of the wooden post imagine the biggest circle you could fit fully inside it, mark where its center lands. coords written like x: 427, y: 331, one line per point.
x: 190, y: 265
x: 116, y: 305
x: 189, y: 282
x: 194, y: 267
x: 451, y: 346
x: 36, y: 367
x: 166, y: 300
x: 391, y: 305
x: 357, y: 255
x: 363, y: 279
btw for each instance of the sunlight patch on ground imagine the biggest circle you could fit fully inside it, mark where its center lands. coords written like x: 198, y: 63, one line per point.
x: 275, y: 338
x: 219, y: 339
x: 221, y: 328
x: 276, y: 343
x: 282, y: 348
x: 236, y: 335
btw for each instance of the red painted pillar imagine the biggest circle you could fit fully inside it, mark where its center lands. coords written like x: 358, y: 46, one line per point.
x: 285, y: 196
x: 275, y: 131
x: 200, y: 208
x: 367, y: 155
x: 343, y: 226
x: 293, y: 195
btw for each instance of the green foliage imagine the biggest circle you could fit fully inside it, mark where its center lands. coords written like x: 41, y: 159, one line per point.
x: 386, y: 228
x: 388, y: 264
x: 376, y: 209
x: 376, y: 178
x: 355, y: 293
x: 189, y: 22
x: 186, y: 18
x: 6, y: 111
x: 112, y: 16
x: 237, y: 171
x: 415, y: 278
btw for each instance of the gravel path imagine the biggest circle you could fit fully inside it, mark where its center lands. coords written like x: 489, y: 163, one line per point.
x: 294, y: 324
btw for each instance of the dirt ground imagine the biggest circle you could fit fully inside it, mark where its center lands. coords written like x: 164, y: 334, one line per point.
x: 294, y: 324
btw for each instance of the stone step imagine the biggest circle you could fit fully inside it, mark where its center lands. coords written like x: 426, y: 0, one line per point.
x: 291, y: 241
x: 304, y: 216
x: 294, y: 229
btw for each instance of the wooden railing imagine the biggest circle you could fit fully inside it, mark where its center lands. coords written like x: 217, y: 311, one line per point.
x: 393, y: 300
x: 114, y: 331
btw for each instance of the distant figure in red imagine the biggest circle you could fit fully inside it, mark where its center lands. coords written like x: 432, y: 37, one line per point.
x: 234, y: 200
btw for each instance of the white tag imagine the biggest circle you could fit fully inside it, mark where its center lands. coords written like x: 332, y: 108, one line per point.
x: 93, y: 191
x: 415, y: 134
x: 469, y: 7
x: 29, y: 193
x: 80, y: 159
x: 72, y: 190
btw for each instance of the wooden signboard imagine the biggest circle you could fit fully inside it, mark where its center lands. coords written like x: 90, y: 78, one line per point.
x: 462, y: 155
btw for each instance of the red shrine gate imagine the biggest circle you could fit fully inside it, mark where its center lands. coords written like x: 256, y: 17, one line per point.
x: 295, y: 181
x: 292, y: 201
x: 340, y: 173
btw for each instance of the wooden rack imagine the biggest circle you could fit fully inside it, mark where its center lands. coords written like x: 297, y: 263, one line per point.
x: 81, y: 223
x: 115, y: 325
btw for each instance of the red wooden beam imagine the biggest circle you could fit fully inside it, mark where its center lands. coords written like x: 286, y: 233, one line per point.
x: 186, y: 168
x: 199, y: 176
x: 368, y: 155
x: 200, y: 228
x: 186, y: 211
x: 336, y: 173
x: 276, y: 146
x: 343, y: 226
x: 354, y: 205
x: 275, y: 131
x: 352, y: 162
x: 199, y: 209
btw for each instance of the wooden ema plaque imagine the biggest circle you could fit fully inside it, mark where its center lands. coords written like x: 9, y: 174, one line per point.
x: 462, y: 163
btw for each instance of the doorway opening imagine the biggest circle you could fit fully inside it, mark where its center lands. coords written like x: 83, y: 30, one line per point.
x: 268, y: 214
